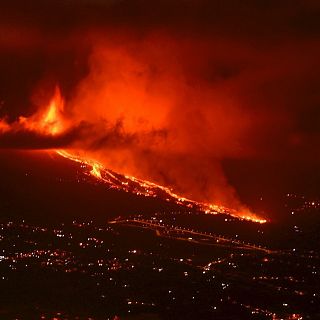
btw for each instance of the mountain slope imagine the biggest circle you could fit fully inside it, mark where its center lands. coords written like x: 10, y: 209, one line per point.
x: 42, y: 184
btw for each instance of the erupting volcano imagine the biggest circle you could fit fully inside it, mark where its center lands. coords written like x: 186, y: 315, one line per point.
x: 52, y: 122
x: 159, y: 159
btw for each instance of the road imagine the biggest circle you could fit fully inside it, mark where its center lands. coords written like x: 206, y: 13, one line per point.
x: 171, y: 228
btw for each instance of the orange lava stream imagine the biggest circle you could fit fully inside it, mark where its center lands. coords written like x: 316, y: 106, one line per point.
x: 150, y: 189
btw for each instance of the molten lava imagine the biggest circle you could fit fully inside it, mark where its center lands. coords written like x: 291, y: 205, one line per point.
x: 150, y: 189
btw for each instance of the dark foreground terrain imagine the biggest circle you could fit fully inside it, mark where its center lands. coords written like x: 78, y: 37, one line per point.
x: 110, y: 255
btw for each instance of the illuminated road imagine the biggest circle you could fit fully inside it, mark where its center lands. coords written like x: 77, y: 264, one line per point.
x: 217, y: 238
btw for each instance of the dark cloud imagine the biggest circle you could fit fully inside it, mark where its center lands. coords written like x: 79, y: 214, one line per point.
x: 26, y: 139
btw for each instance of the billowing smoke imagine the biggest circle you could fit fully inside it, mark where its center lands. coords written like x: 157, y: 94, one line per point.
x: 152, y: 112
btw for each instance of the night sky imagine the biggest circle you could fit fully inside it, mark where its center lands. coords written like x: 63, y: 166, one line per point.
x: 215, y: 98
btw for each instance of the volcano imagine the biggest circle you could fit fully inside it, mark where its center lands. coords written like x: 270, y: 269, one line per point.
x: 49, y: 125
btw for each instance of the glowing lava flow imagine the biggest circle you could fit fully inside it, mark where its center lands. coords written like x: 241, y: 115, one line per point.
x: 150, y: 189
